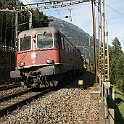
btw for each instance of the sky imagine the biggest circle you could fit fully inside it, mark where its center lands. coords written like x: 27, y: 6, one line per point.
x: 82, y: 17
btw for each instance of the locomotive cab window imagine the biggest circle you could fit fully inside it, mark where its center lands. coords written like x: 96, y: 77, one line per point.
x: 44, y: 41
x: 25, y: 43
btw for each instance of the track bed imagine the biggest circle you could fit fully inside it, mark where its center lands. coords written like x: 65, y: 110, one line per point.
x: 68, y: 105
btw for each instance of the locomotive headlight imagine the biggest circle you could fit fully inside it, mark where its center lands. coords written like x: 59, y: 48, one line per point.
x: 21, y: 64
x: 48, y: 61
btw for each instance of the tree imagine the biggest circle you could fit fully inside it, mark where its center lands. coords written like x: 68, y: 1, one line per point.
x: 120, y: 72
x: 7, y: 21
x: 39, y: 20
x: 7, y: 25
x: 7, y: 4
x: 117, y: 64
x: 116, y: 49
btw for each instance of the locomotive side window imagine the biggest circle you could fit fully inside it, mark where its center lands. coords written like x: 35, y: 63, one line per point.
x: 25, y: 43
x: 44, y: 41
x: 63, y: 43
x: 57, y: 40
x: 69, y: 48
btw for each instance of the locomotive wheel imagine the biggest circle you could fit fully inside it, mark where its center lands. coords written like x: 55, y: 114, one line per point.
x: 53, y: 83
x: 28, y: 82
x: 23, y: 84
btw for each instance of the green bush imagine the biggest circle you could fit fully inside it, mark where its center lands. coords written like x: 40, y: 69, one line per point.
x: 120, y: 84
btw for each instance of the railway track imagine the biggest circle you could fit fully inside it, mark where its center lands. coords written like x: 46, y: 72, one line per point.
x: 14, y: 101
x: 11, y: 91
x: 66, y: 104
x: 9, y: 86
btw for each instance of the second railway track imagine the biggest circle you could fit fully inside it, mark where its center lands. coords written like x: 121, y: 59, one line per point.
x: 9, y: 86
x: 14, y: 101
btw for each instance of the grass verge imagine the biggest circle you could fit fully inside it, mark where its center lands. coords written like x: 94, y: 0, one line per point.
x: 118, y: 106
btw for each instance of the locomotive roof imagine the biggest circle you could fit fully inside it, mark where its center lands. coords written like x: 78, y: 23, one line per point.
x: 39, y: 30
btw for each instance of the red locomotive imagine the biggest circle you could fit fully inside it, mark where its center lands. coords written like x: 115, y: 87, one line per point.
x: 44, y: 55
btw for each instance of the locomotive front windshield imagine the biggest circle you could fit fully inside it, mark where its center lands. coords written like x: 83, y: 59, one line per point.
x: 44, y: 41
x: 25, y: 43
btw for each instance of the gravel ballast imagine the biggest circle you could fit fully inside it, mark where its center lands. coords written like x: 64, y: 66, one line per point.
x: 65, y: 106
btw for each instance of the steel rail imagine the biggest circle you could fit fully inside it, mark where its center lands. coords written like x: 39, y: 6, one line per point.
x: 7, y: 97
x: 20, y: 101
x: 10, y: 86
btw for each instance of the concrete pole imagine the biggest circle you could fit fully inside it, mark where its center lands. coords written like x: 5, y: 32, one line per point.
x: 16, y: 29
x: 103, y: 35
x: 94, y: 38
x: 108, y: 69
x: 30, y: 19
x: 99, y: 36
x: 89, y: 55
